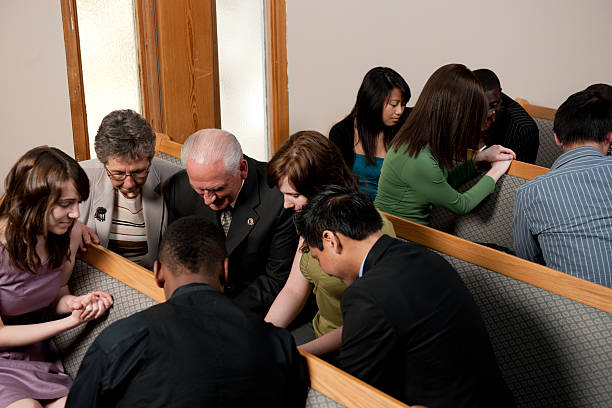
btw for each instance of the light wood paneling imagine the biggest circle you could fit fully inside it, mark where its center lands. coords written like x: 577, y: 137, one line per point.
x: 536, y: 111
x: 345, y: 389
x: 276, y: 67
x: 580, y: 290
x: 75, y: 80
x: 147, y: 59
x: 188, y: 67
x: 164, y: 144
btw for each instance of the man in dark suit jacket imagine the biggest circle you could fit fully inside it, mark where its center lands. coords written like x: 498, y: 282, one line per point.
x: 411, y: 327
x: 197, y: 349
x: 220, y: 183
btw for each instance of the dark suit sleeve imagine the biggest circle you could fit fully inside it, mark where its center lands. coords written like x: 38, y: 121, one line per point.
x: 529, y: 144
x: 108, y: 363
x: 295, y: 370
x: 169, y: 191
x: 259, y: 295
x: 343, y: 136
x: 368, y: 339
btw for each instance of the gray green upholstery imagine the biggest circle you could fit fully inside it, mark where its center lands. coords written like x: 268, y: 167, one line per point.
x: 317, y: 400
x: 490, y: 221
x: 552, y: 351
x: 171, y: 159
x: 548, y: 150
x: 73, y: 344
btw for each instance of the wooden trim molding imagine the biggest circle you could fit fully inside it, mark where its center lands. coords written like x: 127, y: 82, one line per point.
x: 76, y: 91
x: 526, y: 170
x: 345, y: 389
x: 536, y: 111
x: 276, y: 72
x: 579, y: 290
x: 146, y: 26
x: 164, y: 144
x: 133, y: 275
x: 521, y: 169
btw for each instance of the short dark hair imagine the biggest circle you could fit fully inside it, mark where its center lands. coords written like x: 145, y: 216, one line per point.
x: 604, y: 90
x: 372, y: 96
x: 126, y: 134
x: 310, y: 161
x: 584, y: 116
x: 447, y: 117
x: 488, y: 79
x: 338, y: 209
x: 193, y: 245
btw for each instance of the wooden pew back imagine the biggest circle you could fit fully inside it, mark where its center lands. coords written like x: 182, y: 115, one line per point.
x: 551, y: 332
x: 491, y: 220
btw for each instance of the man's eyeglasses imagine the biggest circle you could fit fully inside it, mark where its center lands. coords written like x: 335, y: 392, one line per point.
x: 120, y: 176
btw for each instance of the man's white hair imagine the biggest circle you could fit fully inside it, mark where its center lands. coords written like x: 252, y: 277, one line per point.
x: 211, y: 145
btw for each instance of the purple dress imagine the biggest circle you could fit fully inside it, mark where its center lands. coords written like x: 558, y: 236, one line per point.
x: 33, y: 371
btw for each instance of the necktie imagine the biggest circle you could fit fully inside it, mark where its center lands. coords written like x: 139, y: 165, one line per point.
x: 226, y: 219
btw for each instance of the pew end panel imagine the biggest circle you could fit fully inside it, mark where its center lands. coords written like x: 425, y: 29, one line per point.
x: 491, y: 221
x: 551, y: 332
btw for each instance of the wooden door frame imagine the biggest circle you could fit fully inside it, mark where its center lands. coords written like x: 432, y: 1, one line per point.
x: 276, y: 72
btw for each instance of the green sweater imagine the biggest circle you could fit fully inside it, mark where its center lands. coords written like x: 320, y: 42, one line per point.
x: 408, y: 186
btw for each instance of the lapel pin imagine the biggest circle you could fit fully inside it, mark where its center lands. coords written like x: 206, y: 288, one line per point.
x: 100, y: 214
x: 250, y: 222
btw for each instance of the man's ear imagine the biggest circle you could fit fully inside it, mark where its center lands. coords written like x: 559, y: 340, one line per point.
x: 557, y: 140
x: 331, y: 240
x: 158, y: 274
x: 244, y: 168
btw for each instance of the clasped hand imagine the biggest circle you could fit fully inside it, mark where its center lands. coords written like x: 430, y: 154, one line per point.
x: 90, y: 306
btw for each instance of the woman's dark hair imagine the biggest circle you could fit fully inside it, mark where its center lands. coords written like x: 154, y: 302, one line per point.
x: 126, y: 134
x: 372, y: 96
x: 311, y: 162
x: 447, y: 117
x: 32, y: 187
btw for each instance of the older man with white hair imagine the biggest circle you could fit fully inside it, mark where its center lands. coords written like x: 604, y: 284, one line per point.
x: 230, y: 189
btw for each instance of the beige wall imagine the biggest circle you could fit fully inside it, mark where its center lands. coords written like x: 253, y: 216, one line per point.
x: 34, y: 102
x: 542, y: 50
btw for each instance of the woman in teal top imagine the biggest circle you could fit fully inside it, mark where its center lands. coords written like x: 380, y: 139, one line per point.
x: 446, y: 120
x: 363, y: 137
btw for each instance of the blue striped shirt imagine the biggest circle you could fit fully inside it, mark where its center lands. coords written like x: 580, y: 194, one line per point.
x: 564, y: 218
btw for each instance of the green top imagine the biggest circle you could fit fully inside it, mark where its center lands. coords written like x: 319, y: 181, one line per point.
x: 408, y: 186
x: 328, y: 289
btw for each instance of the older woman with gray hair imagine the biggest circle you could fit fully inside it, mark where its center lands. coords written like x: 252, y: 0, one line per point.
x: 125, y: 208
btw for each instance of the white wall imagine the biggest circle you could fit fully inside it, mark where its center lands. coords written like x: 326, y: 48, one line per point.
x: 542, y: 50
x: 34, y: 103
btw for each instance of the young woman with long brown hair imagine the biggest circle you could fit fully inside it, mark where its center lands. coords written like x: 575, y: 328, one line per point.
x: 302, y: 168
x: 38, y: 243
x: 445, y: 121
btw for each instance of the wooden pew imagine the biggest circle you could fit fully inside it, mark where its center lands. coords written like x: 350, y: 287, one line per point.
x: 491, y: 220
x: 543, y: 117
x: 167, y: 149
x: 134, y: 289
x: 551, y: 332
